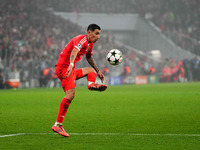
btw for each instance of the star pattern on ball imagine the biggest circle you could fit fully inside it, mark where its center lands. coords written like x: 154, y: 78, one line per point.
x: 114, y: 57
x: 116, y: 61
x: 113, y: 53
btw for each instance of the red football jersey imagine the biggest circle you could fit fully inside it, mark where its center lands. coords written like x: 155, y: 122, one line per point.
x: 80, y: 43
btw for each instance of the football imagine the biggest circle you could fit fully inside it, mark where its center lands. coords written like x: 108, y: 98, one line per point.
x: 114, y: 57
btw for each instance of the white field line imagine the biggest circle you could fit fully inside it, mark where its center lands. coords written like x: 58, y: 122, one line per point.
x: 116, y: 134
x: 1, y: 136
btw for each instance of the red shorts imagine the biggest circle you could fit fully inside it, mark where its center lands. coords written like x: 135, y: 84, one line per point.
x: 68, y: 82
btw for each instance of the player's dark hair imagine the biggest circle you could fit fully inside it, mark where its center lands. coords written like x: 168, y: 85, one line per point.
x: 92, y: 27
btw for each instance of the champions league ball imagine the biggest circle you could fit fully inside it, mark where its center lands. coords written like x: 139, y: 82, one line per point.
x: 114, y: 57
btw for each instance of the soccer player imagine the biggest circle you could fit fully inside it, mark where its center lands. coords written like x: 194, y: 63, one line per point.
x: 65, y: 69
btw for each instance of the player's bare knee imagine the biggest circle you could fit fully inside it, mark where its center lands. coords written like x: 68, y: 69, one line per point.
x: 86, y: 71
x: 91, y: 70
x: 71, y: 97
x: 70, y: 94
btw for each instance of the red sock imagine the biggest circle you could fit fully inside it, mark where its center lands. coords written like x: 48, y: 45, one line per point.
x: 63, y: 110
x: 91, y: 77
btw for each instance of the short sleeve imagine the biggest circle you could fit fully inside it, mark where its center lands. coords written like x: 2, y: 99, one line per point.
x: 79, y: 42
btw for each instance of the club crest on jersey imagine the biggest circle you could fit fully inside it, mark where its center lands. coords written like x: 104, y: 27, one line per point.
x: 79, y: 45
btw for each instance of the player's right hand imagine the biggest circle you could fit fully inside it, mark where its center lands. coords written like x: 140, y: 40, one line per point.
x: 69, y: 71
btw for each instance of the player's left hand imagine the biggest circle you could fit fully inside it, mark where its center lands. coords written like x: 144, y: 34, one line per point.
x: 101, y: 76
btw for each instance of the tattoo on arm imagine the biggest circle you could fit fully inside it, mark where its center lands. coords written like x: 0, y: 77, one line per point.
x: 92, y: 62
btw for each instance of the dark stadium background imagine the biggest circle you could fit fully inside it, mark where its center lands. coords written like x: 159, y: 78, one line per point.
x: 32, y: 36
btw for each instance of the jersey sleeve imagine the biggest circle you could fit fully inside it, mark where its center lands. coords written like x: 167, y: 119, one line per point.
x: 79, y: 43
x: 78, y: 46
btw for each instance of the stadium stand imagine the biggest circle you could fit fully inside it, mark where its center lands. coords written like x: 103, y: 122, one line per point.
x: 178, y: 20
x: 93, y: 6
x: 31, y: 38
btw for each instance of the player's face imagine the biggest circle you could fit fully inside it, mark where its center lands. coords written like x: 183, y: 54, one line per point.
x: 93, y: 36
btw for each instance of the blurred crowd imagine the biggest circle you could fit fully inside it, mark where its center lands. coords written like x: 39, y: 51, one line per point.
x: 92, y: 6
x: 180, y: 71
x: 178, y: 20
x: 31, y: 39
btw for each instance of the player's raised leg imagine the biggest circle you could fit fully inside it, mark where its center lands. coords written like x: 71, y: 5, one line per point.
x: 91, y: 78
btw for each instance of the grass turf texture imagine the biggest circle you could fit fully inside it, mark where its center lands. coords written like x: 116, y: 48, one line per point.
x: 144, y: 109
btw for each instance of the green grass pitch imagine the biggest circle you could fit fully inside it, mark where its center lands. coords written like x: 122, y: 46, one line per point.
x: 150, y: 117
